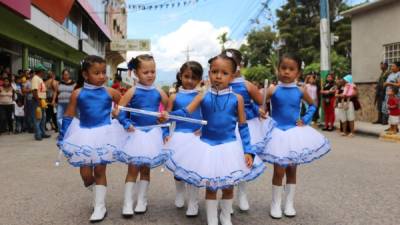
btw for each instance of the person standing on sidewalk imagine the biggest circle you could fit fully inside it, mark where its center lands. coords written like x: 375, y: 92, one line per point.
x: 328, y: 102
x: 380, y: 94
x: 63, y: 91
x: 6, y: 106
x: 39, y: 102
x: 393, y: 80
x: 393, y: 105
x: 51, y: 94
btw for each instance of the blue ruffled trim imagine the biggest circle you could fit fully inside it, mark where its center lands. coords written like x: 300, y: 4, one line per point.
x: 85, y: 152
x: 213, y: 184
x: 306, y: 156
x: 121, y: 156
x: 259, y: 147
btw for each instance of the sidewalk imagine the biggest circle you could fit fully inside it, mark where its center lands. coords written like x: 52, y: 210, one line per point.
x: 376, y: 130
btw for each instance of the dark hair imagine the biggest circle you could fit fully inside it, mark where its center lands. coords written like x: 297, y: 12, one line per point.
x: 195, y: 67
x: 293, y: 57
x: 385, y: 64
x: 226, y: 57
x: 236, y: 55
x: 397, y: 64
x: 135, y: 62
x: 395, y: 90
x: 86, y: 63
x: 64, y: 70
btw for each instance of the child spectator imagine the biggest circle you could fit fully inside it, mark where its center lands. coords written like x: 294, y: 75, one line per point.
x: 394, y: 109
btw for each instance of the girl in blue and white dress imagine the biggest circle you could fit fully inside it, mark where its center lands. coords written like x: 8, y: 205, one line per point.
x: 292, y: 142
x: 259, y: 126
x: 90, y: 141
x: 188, y: 77
x: 218, y: 159
x: 144, y: 148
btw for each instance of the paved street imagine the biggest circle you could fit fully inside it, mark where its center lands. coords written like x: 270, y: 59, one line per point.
x: 357, y: 183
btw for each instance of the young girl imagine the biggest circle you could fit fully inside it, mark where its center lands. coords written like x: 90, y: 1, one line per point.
x: 346, y: 106
x: 143, y: 149
x: 252, y: 100
x: 312, y: 91
x: 328, y: 102
x: 89, y: 142
x: 219, y: 159
x: 189, y: 76
x: 393, y: 104
x: 291, y: 142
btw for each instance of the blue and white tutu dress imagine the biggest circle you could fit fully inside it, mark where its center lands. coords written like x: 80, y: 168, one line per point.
x: 92, y: 139
x: 215, y: 159
x: 289, y: 144
x: 259, y: 128
x: 184, y: 131
x: 144, y: 146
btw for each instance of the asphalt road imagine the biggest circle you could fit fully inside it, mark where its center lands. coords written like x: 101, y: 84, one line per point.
x: 358, y: 182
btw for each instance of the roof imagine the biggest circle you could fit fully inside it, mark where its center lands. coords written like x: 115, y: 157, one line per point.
x: 96, y: 19
x: 366, y: 7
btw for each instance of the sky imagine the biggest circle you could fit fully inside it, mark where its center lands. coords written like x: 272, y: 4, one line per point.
x: 194, y: 29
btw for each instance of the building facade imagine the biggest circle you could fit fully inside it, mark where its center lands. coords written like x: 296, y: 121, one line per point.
x: 375, y: 38
x: 58, y: 34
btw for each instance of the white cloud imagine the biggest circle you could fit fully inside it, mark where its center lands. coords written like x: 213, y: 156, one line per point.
x: 199, y: 36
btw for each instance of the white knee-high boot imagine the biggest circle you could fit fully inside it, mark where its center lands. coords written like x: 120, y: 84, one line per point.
x: 99, y: 211
x: 180, y: 194
x: 242, y: 197
x: 141, y: 206
x: 225, y: 216
x: 212, y: 212
x: 290, y: 190
x: 276, y: 210
x: 193, y: 203
x: 127, y: 209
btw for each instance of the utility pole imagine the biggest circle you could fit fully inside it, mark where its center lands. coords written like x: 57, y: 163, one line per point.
x: 325, y: 34
x: 187, y: 53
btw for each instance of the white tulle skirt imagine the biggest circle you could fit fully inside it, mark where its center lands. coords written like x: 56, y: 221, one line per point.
x: 259, y: 129
x: 214, y: 167
x: 294, y: 146
x: 92, y: 146
x: 143, y: 149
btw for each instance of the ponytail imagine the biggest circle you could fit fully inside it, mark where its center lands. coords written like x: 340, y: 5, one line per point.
x: 178, y: 82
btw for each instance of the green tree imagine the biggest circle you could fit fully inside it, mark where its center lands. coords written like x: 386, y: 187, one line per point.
x: 258, y: 73
x: 299, y: 28
x: 223, y: 38
x: 258, y: 47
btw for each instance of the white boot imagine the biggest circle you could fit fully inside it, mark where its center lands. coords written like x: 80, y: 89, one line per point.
x: 99, y: 211
x: 180, y: 194
x: 193, y: 203
x: 242, y: 197
x: 141, y: 206
x: 127, y: 208
x: 212, y: 212
x: 276, y: 210
x: 225, y: 216
x: 290, y: 190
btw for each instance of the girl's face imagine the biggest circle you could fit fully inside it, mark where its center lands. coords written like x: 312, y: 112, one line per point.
x: 65, y: 76
x: 311, y: 80
x: 221, y: 73
x: 96, y: 74
x: 395, y: 68
x: 288, y: 71
x: 6, y: 83
x: 329, y: 78
x: 189, y: 80
x: 146, y: 72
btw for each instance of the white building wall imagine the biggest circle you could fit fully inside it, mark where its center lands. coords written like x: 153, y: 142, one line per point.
x: 371, y: 30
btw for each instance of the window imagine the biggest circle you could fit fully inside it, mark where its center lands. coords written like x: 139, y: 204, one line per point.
x: 392, y: 52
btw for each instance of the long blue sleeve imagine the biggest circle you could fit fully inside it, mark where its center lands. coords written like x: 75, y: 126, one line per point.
x: 66, y: 122
x: 124, y: 119
x: 307, y: 118
x: 245, y: 136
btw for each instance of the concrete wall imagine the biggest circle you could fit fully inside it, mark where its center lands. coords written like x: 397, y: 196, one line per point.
x: 370, y: 31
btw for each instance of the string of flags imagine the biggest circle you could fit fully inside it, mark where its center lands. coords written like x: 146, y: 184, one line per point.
x: 161, y: 5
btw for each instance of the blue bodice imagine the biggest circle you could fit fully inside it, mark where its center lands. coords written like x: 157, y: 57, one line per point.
x: 285, y: 103
x: 182, y: 100
x: 250, y: 107
x: 220, y: 110
x: 146, y: 98
x: 94, y: 106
